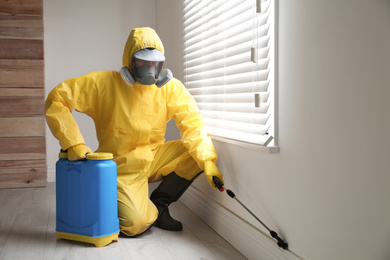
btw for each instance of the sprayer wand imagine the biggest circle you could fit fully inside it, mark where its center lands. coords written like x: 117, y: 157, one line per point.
x: 218, y: 183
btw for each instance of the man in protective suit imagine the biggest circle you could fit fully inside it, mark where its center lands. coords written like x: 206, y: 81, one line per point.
x: 130, y: 109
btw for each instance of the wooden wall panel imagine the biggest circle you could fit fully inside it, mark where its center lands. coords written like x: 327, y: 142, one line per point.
x: 22, y: 126
x: 21, y: 49
x: 22, y: 123
x: 21, y: 73
x: 19, y: 177
x: 22, y: 164
x: 17, y: 8
x: 13, y: 106
x: 21, y: 29
x: 23, y: 145
x: 22, y: 92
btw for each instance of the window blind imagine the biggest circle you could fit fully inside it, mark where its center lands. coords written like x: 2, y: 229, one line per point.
x: 228, y: 66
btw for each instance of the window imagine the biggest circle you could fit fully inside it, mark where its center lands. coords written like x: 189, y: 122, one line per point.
x: 229, y: 63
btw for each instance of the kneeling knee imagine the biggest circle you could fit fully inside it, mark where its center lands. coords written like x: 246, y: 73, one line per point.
x: 135, y: 226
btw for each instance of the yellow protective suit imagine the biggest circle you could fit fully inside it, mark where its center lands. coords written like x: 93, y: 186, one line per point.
x: 130, y: 122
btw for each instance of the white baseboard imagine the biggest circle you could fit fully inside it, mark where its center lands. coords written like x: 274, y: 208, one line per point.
x: 250, y: 241
x: 51, y: 173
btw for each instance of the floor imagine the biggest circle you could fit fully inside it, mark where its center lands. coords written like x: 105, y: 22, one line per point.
x: 27, y: 231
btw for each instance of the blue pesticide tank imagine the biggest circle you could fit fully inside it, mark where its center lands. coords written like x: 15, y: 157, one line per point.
x: 86, y: 197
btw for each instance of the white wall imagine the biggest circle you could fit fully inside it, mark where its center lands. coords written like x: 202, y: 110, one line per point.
x: 327, y: 191
x: 82, y: 36
x: 169, y: 25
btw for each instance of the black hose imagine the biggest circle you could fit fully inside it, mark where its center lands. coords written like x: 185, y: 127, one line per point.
x: 231, y: 194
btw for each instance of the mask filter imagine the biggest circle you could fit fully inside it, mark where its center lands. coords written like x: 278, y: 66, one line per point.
x: 146, y: 75
x: 165, y: 76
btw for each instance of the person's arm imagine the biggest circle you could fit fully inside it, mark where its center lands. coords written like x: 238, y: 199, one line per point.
x: 184, y: 111
x: 78, y: 94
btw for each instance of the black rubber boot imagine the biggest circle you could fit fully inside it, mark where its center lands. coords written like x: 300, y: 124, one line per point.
x: 170, y: 190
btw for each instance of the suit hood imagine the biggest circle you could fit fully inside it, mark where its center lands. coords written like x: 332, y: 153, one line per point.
x: 140, y: 38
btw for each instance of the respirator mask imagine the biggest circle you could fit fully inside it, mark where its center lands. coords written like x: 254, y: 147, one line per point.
x: 147, y: 65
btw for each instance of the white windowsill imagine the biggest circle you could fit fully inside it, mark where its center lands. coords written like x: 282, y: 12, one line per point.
x: 267, y: 149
